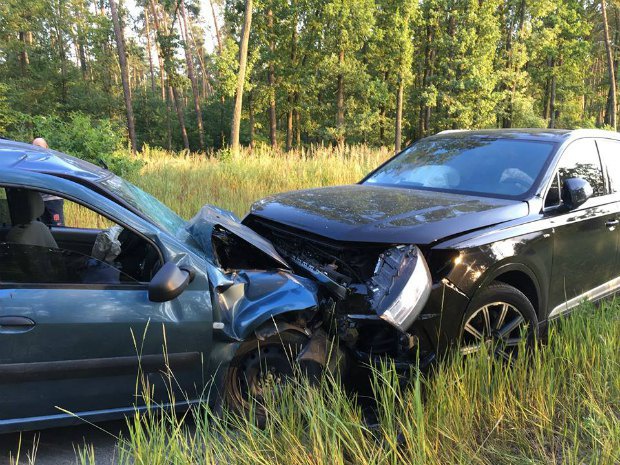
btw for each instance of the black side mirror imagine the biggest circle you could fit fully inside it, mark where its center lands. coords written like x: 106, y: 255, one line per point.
x: 168, y: 283
x: 575, y: 192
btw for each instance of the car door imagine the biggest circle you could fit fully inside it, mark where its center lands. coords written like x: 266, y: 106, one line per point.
x: 586, y: 238
x: 79, y: 335
x: 609, y: 150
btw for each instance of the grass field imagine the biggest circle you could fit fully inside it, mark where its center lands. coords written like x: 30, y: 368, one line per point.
x: 560, y: 404
x: 186, y: 183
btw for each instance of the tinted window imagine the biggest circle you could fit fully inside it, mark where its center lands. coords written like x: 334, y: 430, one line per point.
x: 28, y: 264
x: 580, y: 160
x: 5, y: 217
x: 477, y: 165
x: 610, y: 153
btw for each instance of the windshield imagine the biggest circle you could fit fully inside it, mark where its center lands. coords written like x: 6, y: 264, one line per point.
x: 471, y: 165
x: 146, y: 204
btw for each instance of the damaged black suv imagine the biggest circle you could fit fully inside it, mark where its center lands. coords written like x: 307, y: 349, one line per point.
x: 476, y: 237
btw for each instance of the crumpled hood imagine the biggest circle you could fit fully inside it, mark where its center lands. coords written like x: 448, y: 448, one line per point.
x: 245, y: 299
x: 364, y: 213
x: 200, y: 227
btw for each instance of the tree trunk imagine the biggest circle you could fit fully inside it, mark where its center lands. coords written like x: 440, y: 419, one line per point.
x: 199, y: 52
x: 340, y: 102
x: 297, y: 129
x: 167, y: 99
x: 271, y: 78
x: 24, y: 60
x: 425, y: 109
x: 243, y: 58
x: 251, y: 117
x: 122, y: 59
x: 399, y: 114
x: 219, y: 52
x: 160, y: 60
x: 297, y: 122
x: 62, y: 52
x: 82, y: 55
x: 549, y: 102
x: 382, y: 115
x: 192, y: 76
x: 552, y: 113
x: 81, y: 39
x: 149, y: 47
x: 610, y: 68
x: 217, y: 28
x: 176, y: 101
x: 289, y: 124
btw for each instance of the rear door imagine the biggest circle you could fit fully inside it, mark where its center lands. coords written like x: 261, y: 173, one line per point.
x: 609, y: 150
x: 585, y: 239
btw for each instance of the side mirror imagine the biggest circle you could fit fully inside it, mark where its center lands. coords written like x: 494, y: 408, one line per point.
x: 575, y: 192
x: 169, y: 282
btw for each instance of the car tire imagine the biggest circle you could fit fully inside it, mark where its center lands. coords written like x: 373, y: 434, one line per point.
x: 255, y: 360
x: 499, y: 316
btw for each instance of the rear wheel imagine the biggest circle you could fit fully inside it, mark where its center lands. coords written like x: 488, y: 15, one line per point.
x: 499, y: 318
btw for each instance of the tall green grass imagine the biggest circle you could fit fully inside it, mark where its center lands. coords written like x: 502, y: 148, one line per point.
x: 559, y: 404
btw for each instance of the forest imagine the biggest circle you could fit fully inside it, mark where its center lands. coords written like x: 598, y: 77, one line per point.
x: 293, y: 73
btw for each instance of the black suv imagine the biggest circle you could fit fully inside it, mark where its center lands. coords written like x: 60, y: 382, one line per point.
x: 475, y: 236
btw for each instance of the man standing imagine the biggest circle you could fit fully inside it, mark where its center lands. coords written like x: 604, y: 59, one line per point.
x: 54, y: 206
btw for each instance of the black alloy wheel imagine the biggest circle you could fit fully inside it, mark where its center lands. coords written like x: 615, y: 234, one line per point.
x: 500, y: 318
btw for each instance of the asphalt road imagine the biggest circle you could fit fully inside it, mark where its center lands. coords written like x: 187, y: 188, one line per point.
x: 58, y: 446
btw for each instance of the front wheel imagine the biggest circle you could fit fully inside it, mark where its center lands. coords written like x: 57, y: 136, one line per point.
x: 260, y: 365
x: 499, y: 318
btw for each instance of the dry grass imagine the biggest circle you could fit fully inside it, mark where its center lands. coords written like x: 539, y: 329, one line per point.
x: 185, y: 183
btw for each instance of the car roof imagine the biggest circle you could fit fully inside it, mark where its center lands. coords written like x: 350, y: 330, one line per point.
x: 28, y: 157
x: 552, y: 135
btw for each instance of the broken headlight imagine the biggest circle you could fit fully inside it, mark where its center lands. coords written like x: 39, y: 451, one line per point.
x: 400, y: 285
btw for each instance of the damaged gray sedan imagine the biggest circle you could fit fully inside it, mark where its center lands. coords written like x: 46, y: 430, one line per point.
x: 92, y: 319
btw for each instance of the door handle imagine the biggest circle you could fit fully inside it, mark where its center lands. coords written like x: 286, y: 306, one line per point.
x: 612, y: 223
x: 15, y: 324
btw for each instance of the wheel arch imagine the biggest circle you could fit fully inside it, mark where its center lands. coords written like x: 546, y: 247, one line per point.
x: 521, y: 277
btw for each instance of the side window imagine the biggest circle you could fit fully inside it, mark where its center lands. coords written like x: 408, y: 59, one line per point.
x: 5, y: 217
x: 610, y: 154
x: 581, y: 160
x: 60, y: 212
x: 78, y: 247
x: 553, y: 195
x: 30, y: 264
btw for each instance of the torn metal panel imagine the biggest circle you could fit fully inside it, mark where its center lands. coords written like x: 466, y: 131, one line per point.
x: 252, y: 298
x: 209, y: 219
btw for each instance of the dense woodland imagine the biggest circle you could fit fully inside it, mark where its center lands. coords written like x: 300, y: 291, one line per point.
x: 289, y: 73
